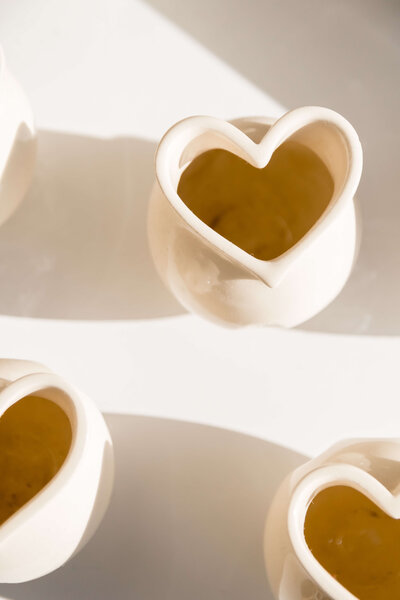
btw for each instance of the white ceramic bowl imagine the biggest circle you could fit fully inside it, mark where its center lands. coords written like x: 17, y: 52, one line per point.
x: 372, y: 467
x: 218, y: 280
x: 56, y: 523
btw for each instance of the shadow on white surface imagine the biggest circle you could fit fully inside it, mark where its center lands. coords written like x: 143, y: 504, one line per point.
x: 77, y: 246
x: 185, y: 522
x: 344, y: 55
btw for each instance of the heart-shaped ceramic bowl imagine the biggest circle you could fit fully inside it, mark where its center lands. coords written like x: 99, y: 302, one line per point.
x: 372, y: 467
x: 214, y: 277
x: 56, y: 522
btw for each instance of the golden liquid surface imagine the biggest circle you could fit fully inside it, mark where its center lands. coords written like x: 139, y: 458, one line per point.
x: 263, y: 211
x: 35, y: 437
x: 356, y: 542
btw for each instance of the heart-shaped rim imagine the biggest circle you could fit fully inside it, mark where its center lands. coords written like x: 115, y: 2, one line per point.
x: 313, y: 483
x: 225, y: 135
x: 30, y: 385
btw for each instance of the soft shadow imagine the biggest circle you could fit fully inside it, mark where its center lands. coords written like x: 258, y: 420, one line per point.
x: 186, y: 519
x: 344, y: 55
x: 77, y: 246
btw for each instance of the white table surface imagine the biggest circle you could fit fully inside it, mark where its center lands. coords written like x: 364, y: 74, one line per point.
x: 79, y: 292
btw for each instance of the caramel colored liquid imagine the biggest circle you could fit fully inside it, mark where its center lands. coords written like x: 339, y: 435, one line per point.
x: 356, y: 542
x: 263, y: 211
x: 35, y: 437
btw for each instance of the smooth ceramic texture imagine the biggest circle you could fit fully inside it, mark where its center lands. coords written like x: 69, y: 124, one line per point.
x: 213, y: 277
x: 56, y: 523
x: 17, y: 143
x: 370, y: 466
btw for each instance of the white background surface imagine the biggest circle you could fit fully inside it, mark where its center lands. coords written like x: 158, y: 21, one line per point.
x: 79, y: 293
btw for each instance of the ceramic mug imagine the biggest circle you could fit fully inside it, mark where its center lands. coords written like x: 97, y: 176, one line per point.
x: 217, y: 279
x: 17, y: 145
x: 58, y: 521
